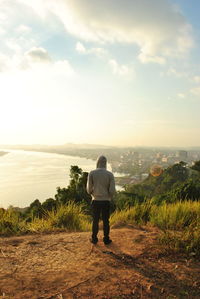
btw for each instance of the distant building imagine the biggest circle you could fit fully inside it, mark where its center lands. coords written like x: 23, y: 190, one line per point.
x: 182, y: 155
x: 144, y: 176
x: 159, y: 155
x: 136, y: 155
x: 164, y: 159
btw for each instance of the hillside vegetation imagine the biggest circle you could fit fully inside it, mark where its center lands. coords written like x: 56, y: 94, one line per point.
x: 169, y: 202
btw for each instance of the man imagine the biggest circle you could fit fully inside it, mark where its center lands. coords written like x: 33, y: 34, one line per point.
x: 101, y: 185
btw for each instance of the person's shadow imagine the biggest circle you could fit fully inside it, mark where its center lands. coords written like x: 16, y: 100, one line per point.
x: 163, y: 282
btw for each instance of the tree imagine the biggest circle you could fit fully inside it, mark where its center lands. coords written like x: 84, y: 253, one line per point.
x: 76, y: 191
x: 35, y: 209
x: 49, y: 204
x: 190, y: 190
x: 75, y: 173
x: 196, y: 166
x: 63, y: 195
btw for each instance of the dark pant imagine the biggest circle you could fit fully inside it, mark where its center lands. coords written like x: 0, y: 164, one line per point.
x: 98, y: 208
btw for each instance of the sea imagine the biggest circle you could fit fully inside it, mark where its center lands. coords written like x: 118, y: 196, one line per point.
x: 27, y: 175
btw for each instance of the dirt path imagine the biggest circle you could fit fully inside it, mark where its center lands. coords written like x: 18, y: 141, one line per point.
x: 66, y: 265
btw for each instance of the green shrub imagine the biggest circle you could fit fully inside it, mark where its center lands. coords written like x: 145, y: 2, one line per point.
x: 69, y: 216
x: 123, y: 217
x: 139, y: 214
x: 9, y: 222
x: 186, y: 241
x: 175, y: 216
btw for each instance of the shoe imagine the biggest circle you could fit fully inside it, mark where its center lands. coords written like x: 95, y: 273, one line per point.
x: 107, y: 241
x: 94, y: 240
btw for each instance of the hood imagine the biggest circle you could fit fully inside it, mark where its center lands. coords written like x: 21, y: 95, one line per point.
x: 102, y: 162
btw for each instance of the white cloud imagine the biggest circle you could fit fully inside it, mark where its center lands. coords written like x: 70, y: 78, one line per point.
x: 5, y: 63
x: 197, y: 79
x: 13, y: 44
x: 38, y: 55
x: 23, y: 29
x: 17, y: 36
x: 176, y: 73
x: 155, y: 26
x: 63, y: 67
x: 147, y: 58
x: 57, y: 68
x: 117, y: 69
x: 33, y: 58
x: 195, y: 91
x: 120, y: 69
x: 2, y: 31
x: 181, y: 95
x: 37, y: 5
x: 80, y: 48
x: 98, y: 51
x: 36, y: 60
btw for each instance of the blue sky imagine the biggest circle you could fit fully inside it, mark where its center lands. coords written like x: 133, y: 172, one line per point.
x: 117, y: 72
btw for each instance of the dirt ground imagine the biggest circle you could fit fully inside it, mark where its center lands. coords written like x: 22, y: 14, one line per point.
x: 65, y: 265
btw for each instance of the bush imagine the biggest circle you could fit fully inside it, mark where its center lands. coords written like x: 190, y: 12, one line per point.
x: 175, y: 216
x: 139, y: 214
x: 10, y: 222
x: 69, y: 216
x: 187, y: 241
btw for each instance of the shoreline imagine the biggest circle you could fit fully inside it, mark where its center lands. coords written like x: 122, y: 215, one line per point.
x: 120, y: 174
x: 3, y: 153
x: 121, y: 180
x: 29, y: 165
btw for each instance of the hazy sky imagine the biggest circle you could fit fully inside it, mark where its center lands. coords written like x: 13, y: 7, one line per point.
x: 117, y: 72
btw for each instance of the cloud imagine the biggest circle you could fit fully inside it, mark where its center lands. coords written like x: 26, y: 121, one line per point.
x: 179, y: 74
x: 181, y: 95
x: 80, y: 48
x: 21, y: 61
x: 4, y: 63
x: 38, y: 55
x: 17, y: 36
x: 13, y: 44
x: 62, y: 67
x: 195, y: 91
x: 120, y: 69
x: 36, y: 60
x: 98, y: 51
x: 2, y: 31
x: 156, y: 27
x: 117, y: 69
x: 33, y: 58
x: 197, y: 79
x: 37, y: 5
x: 23, y: 29
x: 20, y: 49
x: 147, y: 58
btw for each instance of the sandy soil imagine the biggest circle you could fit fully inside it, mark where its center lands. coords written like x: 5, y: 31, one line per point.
x: 66, y: 265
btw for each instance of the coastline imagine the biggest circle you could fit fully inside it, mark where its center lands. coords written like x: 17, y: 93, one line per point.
x: 121, y: 178
x: 26, y: 176
x: 2, y: 153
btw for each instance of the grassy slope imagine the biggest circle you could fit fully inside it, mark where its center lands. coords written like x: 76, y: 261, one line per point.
x: 179, y: 222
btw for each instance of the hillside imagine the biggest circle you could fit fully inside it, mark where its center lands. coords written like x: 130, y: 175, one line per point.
x: 175, y: 183
x: 66, y: 265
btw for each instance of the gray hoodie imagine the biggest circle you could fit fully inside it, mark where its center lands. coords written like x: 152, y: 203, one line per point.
x: 101, y: 183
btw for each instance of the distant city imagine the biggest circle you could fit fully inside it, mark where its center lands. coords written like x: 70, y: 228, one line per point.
x: 131, y: 165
